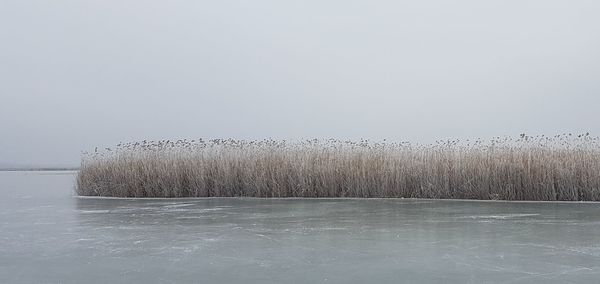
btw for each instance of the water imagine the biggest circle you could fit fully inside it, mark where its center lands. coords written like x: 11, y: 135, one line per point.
x: 49, y: 236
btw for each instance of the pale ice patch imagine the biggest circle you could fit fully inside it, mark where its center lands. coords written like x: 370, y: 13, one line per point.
x: 212, y: 209
x: 94, y: 211
x: 84, y: 240
x: 177, y: 205
x: 501, y: 216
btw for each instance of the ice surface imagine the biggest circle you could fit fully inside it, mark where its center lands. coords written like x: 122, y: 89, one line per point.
x: 49, y: 236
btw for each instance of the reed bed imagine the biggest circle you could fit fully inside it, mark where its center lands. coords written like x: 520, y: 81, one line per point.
x: 562, y: 167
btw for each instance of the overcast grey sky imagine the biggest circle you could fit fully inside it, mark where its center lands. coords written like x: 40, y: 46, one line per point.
x: 75, y: 74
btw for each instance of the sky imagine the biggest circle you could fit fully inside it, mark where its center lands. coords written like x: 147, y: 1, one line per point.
x: 79, y: 74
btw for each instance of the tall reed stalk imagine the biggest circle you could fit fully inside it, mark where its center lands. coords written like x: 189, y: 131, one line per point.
x: 563, y: 167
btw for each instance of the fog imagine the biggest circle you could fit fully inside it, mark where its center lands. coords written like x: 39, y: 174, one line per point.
x: 80, y: 74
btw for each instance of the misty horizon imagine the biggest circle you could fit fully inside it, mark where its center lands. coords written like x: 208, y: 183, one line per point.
x: 76, y: 75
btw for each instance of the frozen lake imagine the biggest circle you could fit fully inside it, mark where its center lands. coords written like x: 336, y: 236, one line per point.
x: 49, y: 236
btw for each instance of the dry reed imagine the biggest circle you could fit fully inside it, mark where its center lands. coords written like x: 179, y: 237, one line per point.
x: 563, y: 167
